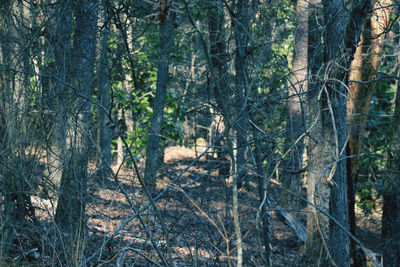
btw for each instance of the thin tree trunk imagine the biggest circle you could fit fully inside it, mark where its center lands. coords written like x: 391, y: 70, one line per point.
x: 218, y: 59
x: 120, y: 143
x: 241, y: 30
x: 295, y: 106
x: 70, y: 213
x: 104, y: 94
x: 153, y: 142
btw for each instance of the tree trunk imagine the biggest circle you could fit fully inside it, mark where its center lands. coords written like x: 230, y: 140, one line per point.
x: 70, y: 213
x: 317, y: 224
x: 334, y: 127
x: 327, y: 177
x: 364, y: 67
x: 104, y: 95
x: 239, y: 174
x: 241, y: 29
x: 218, y: 59
x: 295, y: 106
x: 61, y: 31
x: 153, y: 142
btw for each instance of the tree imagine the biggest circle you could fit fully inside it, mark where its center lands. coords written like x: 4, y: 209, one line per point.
x: 70, y: 213
x: 226, y: 68
x: 364, y: 68
x: 166, y: 29
x: 220, y: 93
x: 59, y: 38
x: 327, y: 173
x: 295, y: 107
x: 104, y: 94
x: 241, y: 20
x: 317, y: 188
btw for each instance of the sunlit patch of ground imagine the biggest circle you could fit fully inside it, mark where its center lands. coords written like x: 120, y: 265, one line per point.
x: 199, y: 221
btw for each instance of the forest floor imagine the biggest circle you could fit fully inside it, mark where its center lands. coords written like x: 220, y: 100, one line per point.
x: 197, y: 217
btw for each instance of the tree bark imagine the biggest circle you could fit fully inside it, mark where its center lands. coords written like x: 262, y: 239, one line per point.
x: 317, y: 224
x: 218, y: 56
x: 364, y: 67
x: 60, y: 41
x: 104, y: 94
x: 295, y: 107
x: 342, y: 24
x: 334, y: 125
x: 120, y: 144
x: 70, y: 213
x: 242, y: 90
x: 153, y: 142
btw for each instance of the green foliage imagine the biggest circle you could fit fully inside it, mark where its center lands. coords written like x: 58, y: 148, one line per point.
x: 373, y: 154
x: 366, y: 196
x: 142, y: 112
x: 173, y: 117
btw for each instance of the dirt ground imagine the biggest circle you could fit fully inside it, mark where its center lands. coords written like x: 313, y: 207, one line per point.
x: 197, y: 218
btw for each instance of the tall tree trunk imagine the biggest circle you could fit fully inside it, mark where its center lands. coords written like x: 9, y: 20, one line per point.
x: 334, y: 127
x: 317, y: 224
x: 70, y: 213
x: 364, y: 67
x: 60, y: 41
x: 295, y: 106
x: 341, y: 37
x: 391, y: 196
x: 104, y: 94
x: 327, y: 178
x: 218, y: 59
x: 153, y: 142
x: 242, y: 90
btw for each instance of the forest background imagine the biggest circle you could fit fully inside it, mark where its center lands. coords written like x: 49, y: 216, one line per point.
x: 199, y: 133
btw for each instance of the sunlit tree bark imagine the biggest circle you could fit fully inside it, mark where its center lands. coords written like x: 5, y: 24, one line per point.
x: 364, y: 68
